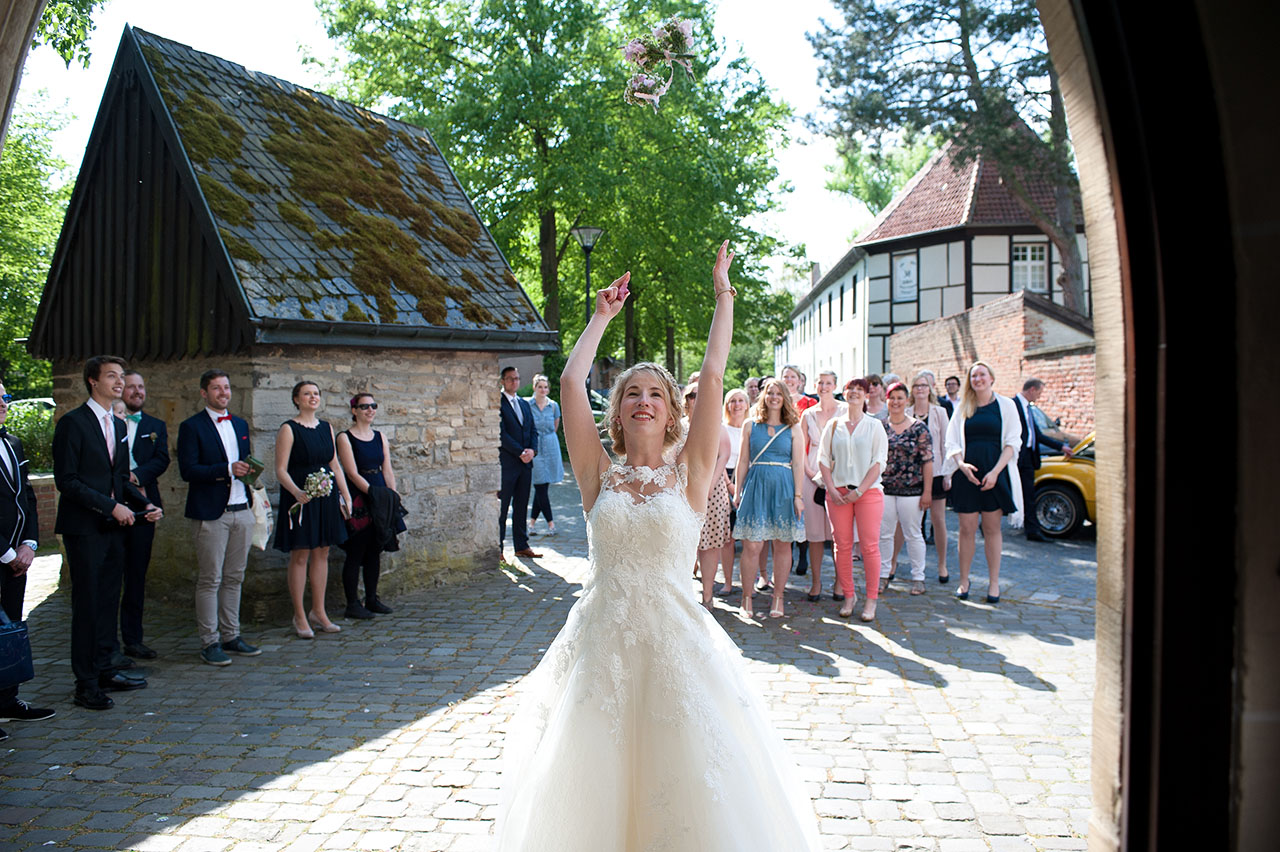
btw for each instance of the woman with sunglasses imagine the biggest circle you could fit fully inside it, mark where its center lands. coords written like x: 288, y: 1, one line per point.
x: 366, y: 459
x: 548, y: 466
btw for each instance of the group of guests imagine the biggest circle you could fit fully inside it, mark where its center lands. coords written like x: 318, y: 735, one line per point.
x: 108, y: 457
x: 860, y: 469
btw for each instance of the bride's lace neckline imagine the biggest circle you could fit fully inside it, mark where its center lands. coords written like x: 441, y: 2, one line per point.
x: 641, y: 483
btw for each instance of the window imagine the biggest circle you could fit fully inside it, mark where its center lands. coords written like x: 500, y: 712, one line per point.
x: 1030, y: 267
x: 842, y: 317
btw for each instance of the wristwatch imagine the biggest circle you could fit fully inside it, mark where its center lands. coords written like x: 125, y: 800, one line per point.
x: 31, y: 544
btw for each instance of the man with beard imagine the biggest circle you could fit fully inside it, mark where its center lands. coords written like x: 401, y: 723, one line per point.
x: 148, y: 458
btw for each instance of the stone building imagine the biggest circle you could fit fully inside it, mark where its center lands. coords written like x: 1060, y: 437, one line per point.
x: 226, y: 218
x: 952, y: 239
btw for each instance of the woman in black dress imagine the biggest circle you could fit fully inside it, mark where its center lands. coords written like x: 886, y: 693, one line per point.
x: 305, y: 445
x: 982, y: 441
x: 365, y: 454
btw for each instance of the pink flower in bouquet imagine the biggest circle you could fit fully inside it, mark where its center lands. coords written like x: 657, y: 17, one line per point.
x: 686, y: 30
x: 635, y: 52
x: 660, y: 33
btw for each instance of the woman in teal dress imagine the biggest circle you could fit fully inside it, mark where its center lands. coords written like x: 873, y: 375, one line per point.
x: 770, y: 499
x: 548, y: 467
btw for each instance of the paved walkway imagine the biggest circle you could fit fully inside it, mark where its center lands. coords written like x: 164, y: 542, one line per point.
x: 944, y: 726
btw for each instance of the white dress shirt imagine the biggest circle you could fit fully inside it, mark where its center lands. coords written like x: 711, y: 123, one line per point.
x: 1025, y: 405
x: 515, y: 403
x: 227, y: 433
x: 13, y: 469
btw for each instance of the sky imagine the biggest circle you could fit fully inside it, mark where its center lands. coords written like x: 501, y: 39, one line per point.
x: 270, y: 36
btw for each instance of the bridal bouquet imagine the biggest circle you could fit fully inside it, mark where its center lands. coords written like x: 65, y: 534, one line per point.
x: 319, y: 484
x: 668, y: 45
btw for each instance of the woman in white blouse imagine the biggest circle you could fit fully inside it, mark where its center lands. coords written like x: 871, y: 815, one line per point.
x: 983, y: 439
x: 736, y: 403
x: 852, y: 456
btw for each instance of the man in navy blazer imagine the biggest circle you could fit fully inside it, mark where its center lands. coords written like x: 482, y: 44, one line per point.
x: 148, y: 459
x: 19, y: 537
x: 96, y: 503
x: 213, y: 445
x: 1029, y: 456
x: 516, y: 453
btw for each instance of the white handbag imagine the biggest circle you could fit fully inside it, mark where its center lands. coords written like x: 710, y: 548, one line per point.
x: 260, y: 504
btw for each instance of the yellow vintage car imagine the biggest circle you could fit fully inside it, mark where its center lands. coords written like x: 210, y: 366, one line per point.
x: 1066, y: 493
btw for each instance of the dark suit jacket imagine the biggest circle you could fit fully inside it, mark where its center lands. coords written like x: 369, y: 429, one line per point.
x: 516, y: 436
x: 203, y: 463
x: 86, y: 476
x: 18, y: 522
x: 151, y: 455
x: 1029, y: 456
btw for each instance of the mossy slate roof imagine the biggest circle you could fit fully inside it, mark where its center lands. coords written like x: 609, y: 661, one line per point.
x: 330, y: 212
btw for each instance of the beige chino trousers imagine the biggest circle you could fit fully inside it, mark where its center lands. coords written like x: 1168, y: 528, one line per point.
x: 222, y: 550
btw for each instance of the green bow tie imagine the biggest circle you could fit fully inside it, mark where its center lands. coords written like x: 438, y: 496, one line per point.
x: 136, y: 417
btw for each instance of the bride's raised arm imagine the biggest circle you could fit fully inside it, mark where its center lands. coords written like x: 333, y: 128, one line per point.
x: 705, y: 426
x: 586, y: 453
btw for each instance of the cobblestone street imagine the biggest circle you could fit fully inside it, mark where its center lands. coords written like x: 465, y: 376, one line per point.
x: 945, y: 725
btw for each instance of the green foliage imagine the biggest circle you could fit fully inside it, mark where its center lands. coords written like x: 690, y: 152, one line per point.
x: 65, y: 26
x: 526, y: 101
x: 976, y: 71
x: 875, y: 174
x: 34, y: 190
x: 33, y: 424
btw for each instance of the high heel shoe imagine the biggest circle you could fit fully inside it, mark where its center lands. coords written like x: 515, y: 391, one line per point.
x: 304, y: 632
x: 944, y: 578
x: 835, y: 594
x: 329, y: 627
x: 775, y: 611
x: 963, y: 594
x: 850, y: 602
x: 868, y: 612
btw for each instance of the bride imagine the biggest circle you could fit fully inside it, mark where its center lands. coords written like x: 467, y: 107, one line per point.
x: 640, y: 731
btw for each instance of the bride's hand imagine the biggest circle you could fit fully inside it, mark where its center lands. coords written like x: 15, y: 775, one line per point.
x: 720, y: 272
x: 609, y: 300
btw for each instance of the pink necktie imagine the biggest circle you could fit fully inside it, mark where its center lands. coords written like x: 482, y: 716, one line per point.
x: 110, y: 433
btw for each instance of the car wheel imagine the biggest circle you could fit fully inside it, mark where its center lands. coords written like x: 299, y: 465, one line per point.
x: 1059, y: 509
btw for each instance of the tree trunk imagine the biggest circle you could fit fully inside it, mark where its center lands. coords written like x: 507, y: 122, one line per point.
x: 629, y: 329
x: 549, y: 267
x: 671, y: 347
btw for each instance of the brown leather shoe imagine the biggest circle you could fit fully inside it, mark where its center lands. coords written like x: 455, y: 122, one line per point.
x: 528, y: 554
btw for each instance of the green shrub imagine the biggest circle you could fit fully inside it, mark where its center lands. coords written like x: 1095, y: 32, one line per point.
x: 33, y: 424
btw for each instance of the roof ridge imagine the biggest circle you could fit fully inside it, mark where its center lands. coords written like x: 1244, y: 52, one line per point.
x: 907, y: 189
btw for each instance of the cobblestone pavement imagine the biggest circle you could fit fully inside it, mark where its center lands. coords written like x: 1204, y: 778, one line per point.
x: 944, y: 725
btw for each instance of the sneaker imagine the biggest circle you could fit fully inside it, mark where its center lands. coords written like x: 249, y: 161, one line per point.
x: 21, y: 711
x: 241, y: 647
x: 376, y: 605
x: 355, y: 609
x: 215, y: 656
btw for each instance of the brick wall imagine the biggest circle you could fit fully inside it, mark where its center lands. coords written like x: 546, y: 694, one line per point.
x: 46, y: 505
x: 438, y: 409
x: 1019, y: 342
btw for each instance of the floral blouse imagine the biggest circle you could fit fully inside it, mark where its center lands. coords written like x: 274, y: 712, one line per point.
x: 908, y: 451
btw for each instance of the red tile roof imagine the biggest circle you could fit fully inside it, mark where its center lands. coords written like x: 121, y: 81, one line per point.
x: 947, y: 194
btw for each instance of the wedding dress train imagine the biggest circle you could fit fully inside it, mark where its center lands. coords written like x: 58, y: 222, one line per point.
x: 639, y: 731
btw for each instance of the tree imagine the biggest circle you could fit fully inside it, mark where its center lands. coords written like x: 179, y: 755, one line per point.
x: 977, y: 71
x: 34, y: 190
x: 525, y: 99
x: 874, y: 174
x: 65, y: 26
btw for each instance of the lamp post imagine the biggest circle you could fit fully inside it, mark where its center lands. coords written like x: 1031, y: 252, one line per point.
x: 587, y: 238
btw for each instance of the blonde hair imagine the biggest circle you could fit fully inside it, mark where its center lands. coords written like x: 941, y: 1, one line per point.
x: 928, y: 376
x: 789, y: 415
x: 670, y: 392
x: 969, y: 399
x: 730, y: 395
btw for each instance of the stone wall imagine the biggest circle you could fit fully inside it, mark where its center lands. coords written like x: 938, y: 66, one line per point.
x: 438, y: 409
x: 1019, y: 343
x: 46, y: 505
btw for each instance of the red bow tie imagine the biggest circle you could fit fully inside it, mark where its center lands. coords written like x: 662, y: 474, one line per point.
x: 224, y: 417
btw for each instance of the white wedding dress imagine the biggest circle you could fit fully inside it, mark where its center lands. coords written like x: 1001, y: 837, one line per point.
x: 639, y: 731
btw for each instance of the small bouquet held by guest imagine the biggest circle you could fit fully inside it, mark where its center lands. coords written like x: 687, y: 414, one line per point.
x: 668, y: 45
x: 319, y: 484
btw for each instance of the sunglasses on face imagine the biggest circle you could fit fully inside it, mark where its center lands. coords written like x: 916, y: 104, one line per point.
x: 6, y: 398
x: 367, y: 406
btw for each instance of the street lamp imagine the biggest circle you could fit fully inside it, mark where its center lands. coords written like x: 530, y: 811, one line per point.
x: 587, y: 238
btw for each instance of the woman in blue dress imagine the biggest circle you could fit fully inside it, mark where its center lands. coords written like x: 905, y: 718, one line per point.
x: 770, y: 500
x: 305, y: 445
x: 548, y: 467
x: 365, y: 454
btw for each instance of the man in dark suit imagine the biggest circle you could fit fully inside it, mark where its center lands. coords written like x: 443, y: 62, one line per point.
x: 516, y: 453
x: 19, y: 533
x: 1029, y: 456
x: 91, y: 472
x: 148, y: 458
x: 213, y: 446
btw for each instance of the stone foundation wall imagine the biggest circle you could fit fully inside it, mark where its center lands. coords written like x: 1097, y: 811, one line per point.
x: 438, y: 409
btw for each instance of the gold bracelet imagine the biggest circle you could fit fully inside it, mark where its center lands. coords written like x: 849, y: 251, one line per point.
x: 731, y: 290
